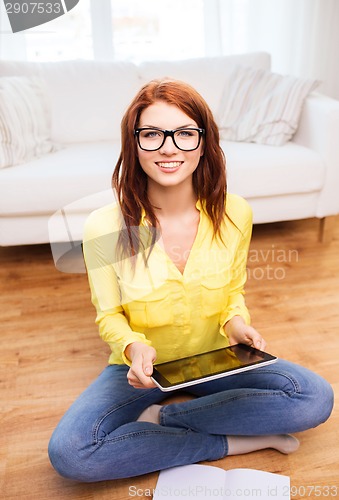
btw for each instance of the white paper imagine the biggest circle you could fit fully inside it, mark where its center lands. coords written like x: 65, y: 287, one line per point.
x: 206, y: 481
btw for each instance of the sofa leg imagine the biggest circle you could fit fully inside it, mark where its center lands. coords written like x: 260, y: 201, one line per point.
x: 326, y: 228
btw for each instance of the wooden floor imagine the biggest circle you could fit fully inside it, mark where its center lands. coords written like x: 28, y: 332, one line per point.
x: 50, y: 351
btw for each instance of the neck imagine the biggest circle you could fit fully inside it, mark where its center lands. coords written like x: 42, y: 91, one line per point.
x: 169, y: 202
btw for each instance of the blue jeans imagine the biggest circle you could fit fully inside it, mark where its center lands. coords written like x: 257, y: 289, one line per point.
x: 99, y: 438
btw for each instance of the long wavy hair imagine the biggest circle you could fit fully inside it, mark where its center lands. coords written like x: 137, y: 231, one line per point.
x: 130, y: 181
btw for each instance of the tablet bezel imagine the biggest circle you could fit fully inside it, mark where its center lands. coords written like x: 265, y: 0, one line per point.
x: 165, y: 385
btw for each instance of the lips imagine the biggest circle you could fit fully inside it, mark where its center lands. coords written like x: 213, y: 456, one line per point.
x: 169, y: 165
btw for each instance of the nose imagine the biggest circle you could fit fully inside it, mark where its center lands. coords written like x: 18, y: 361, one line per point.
x: 168, y: 148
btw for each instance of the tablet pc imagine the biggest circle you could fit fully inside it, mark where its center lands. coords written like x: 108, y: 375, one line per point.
x: 208, y: 366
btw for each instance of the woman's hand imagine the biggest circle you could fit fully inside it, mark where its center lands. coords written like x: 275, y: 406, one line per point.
x: 142, y: 357
x: 239, y: 333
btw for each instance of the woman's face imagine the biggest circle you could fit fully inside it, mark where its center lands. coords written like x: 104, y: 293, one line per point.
x: 168, y: 166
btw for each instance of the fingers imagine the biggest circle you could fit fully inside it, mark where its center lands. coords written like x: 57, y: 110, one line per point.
x: 141, y: 369
x: 137, y: 378
x: 134, y: 381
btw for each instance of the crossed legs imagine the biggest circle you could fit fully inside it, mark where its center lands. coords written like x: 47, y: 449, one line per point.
x: 106, y: 435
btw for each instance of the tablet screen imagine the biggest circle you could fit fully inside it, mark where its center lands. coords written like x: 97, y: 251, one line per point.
x: 209, y: 365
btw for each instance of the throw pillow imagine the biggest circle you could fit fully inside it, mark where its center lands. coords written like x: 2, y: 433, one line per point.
x: 24, y: 120
x: 262, y: 107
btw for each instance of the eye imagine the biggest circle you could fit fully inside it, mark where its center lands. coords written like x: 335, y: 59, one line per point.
x: 186, y: 133
x: 150, y: 134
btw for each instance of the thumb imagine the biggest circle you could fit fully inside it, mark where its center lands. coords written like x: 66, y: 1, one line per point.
x: 148, y: 370
x: 259, y: 343
x: 148, y: 365
x: 256, y: 339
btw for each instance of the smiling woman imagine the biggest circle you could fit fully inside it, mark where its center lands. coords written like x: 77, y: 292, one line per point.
x: 174, y: 298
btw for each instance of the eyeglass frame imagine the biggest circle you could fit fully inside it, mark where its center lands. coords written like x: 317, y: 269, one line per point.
x: 168, y: 133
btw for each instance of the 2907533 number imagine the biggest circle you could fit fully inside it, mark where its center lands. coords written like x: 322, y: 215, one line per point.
x: 311, y: 491
x: 33, y: 7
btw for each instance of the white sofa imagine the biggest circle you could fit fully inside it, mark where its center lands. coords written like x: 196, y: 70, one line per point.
x: 48, y: 198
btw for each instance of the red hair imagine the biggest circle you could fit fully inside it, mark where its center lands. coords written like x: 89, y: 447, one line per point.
x: 209, y: 178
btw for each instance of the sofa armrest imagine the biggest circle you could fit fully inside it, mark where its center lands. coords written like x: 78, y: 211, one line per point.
x: 318, y: 130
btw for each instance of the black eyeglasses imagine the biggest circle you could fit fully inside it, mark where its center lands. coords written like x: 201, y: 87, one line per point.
x: 185, y: 139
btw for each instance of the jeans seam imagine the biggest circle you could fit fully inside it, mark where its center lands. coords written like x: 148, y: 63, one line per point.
x: 134, y: 434
x: 225, y: 453
x: 294, y: 382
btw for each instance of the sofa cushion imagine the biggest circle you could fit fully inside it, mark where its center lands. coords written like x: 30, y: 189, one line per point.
x: 68, y: 175
x: 255, y: 170
x: 207, y: 75
x: 88, y: 98
x: 45, y: 185
x: 261, y: 106
x: 24, y: 120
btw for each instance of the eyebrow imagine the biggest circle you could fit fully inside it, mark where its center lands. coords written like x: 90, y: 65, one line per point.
x: 177, y: 128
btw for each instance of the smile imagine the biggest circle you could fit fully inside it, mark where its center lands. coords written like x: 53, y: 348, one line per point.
x: 169, y: 164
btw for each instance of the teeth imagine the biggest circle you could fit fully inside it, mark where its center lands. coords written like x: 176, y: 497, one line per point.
x: 172, y: 164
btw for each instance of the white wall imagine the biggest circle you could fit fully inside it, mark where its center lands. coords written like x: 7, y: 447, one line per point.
x: 301, y: 35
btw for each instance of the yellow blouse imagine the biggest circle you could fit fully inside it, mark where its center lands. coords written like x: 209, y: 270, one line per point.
x: 179, y: 314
